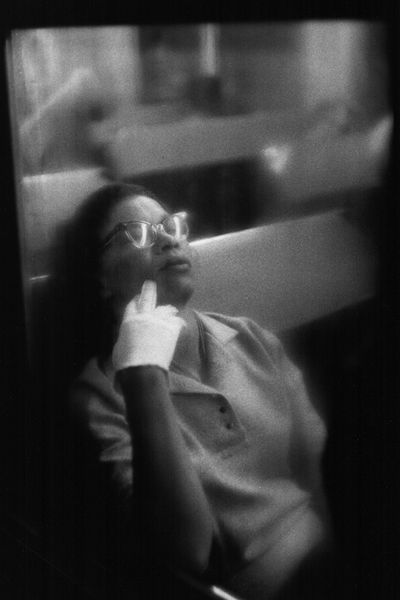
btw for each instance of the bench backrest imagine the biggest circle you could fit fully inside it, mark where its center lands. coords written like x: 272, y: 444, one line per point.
x: 282, y: 274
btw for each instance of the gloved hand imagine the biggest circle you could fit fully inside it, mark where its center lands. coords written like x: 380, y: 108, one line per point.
x: 148, y: 334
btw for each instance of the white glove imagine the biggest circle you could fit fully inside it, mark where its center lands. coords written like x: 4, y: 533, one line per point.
x: 148, y: 334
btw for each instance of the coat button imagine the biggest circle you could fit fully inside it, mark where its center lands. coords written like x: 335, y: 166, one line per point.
x: 222, y: 409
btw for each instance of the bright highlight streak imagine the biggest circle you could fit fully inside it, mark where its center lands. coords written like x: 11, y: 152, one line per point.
x: 223, y: 594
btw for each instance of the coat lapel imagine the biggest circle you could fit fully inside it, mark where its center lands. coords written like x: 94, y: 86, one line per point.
x: 217, y: 336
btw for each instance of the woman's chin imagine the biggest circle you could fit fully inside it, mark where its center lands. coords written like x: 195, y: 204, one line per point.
x: 175, y: 290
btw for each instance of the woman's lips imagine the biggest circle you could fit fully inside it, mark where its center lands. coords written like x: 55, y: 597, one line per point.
x: 176, y: 264
x: 180, y: 267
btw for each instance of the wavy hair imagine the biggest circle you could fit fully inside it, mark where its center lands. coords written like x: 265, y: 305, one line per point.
x: 90, y: 318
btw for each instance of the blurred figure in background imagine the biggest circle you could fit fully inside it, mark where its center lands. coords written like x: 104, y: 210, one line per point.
x: 61, y: 134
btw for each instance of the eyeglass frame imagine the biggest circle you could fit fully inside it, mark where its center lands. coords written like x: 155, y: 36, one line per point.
x: 156, y: 228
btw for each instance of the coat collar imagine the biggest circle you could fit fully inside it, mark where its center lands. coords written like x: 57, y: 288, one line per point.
x: 218, y: 333
x: 214, y: 326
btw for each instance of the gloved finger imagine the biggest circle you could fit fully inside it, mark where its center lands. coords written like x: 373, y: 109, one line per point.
x: 130, y: 309
x: 179, y: 322
x: 148, y: 297
x: 161, y: 323
x: 166, y: 310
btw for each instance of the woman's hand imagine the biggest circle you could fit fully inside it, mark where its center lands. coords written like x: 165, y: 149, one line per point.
x: 148, y: 333
x: 169, y: 495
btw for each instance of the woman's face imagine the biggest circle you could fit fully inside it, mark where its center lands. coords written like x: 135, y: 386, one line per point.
x: 124, y: 268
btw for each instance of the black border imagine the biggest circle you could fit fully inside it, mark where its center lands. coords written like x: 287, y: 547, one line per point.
x: 13, y: 353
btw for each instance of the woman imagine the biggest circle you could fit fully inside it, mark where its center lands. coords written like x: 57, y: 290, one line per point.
x: 201, y: 419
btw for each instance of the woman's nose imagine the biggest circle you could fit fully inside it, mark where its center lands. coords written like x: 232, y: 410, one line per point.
x: 165, y: 240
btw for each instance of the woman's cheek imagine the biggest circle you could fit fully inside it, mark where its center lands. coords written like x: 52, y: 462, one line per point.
x: 124, y: 274
x: 134, y: 272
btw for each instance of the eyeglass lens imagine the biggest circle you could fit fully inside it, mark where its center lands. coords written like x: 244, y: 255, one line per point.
x: 141, y: 234
x: 176, y: 225
x: 144, y: 235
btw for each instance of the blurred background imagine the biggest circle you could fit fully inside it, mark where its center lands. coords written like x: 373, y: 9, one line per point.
x: 241, y: 123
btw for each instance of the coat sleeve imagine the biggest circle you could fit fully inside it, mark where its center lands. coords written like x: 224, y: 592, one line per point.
x: 308, y: 431
x: 100, y: 417
x: 307, y: 439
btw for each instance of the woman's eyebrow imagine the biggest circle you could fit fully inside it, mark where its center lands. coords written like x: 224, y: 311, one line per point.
x: 146, y: 220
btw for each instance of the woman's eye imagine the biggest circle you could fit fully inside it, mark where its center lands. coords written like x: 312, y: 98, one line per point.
x: 169, y: 226
x: 140, y: 234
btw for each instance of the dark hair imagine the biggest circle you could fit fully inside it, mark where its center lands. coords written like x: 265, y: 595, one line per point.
x: 90, y: 316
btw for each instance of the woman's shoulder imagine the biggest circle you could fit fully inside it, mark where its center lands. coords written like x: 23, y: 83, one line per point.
x: 91, y: 375
x: 93, y: 387
x: 246, y: 327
